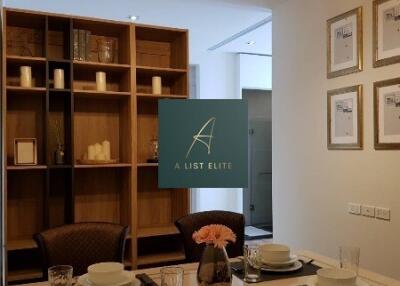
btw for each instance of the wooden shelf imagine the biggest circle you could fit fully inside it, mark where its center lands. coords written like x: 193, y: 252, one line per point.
x: 103, y: 66
x: 19, y: 244
x: 25, y: 59
x: 140, y: 165
x: 59, y: 90
x: 25, y: 274
x: 159, y: 96
x: 157, y: 231
x: 59, y: 166
x: 101, y: 94
x: 117, y: 165
x: 149, y: 70
x: 160, y: 257
x: 24, y: 90
x: 33, y: 167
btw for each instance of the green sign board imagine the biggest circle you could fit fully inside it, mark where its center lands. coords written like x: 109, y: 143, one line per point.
x: 203, y: 143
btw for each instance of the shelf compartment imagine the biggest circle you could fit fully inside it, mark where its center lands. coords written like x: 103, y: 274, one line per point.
x: 24, y: 274
x: 38, y: 74
x: 157, y: 231
x: 118, y: 32
x: 23, y: 265
x: 101, y: 94
x: 60, y: 193
x: 20, y: 244
x: 174, y: 81
x: 161, y: 47
x: 58, y: 38
x: 67, y: 74
x: 96, y: 120
x: 25, y: 34
x: 117, y: 80
x: 25, y: 119
x: 25, y: 204
x: 147, y: 129
x: 102, y: 195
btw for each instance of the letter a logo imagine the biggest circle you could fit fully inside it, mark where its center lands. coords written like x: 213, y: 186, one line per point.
x: 204, y: 138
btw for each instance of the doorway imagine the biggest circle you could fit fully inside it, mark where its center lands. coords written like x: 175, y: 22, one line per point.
x: 257, y: 198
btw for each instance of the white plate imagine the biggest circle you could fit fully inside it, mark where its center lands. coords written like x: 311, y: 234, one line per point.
x: 296, y: 266
x: 313, y: 282
x: 84, y: 280
x: 291, y: 261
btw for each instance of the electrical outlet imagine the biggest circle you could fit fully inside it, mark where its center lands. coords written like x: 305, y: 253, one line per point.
x: 382, y: 213
x: 354, y: 208
x: 368, y: 211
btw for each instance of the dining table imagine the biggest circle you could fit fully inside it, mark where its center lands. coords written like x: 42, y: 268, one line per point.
x: 190, y: 269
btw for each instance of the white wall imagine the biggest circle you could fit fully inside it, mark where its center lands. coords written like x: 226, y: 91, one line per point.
x: 255, y: 71
x: 311, y: 185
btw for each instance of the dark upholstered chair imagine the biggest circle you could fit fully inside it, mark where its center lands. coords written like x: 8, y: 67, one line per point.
x: 192, y: 222
x: 81, y: 245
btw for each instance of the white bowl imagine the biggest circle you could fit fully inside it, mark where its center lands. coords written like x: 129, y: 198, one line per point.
x: 336, y: 277
x: 106, y: 273
x: 275, y: 252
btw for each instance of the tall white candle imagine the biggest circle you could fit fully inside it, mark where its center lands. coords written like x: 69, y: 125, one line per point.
x: 156, y: 84
x: 91, y: 152
x: 59, y: 78
x: 106, y: 149
x: 101, y: 81
x: 100, y: 156
x: 98, y: 149
x: 26, y: 76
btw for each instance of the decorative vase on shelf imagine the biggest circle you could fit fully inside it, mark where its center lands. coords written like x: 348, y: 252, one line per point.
x: 214, y: 267
x: 59, y: 155
x: 105, y: 50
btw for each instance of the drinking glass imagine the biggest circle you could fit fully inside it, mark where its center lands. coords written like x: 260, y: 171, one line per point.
x: 349, y: 257
x: 60, y: 275
x: 105, y: 50
x: 252, y: 263
x: 171, y: 276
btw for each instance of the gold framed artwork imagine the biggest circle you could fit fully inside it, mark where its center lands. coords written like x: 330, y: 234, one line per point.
x: 344, y: 44
x: 387, y: 114
x: 25, y: 151
x: 386, y: 32
x: 345, y: 115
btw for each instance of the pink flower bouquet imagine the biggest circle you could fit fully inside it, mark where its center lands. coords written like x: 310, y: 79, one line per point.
x: 217, y: 234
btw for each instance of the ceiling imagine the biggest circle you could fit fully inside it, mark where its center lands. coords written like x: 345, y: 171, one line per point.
x: 209, y: 21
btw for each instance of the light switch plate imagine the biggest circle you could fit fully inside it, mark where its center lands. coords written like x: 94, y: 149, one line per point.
x: 382, y: 213
x: 368, y: 211
x: 354, y: 208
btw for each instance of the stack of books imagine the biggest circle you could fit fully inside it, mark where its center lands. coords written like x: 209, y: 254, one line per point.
x: 81, y: 45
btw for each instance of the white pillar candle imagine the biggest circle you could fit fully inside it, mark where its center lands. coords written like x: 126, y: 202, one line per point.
x: 156, y: 84
x: 101, y: 81
x: 91, y: 154
x: 106, y: 149
x: 97, y: 149
x: 26, y: 76
x: 59, y: 78
x: 100, y: 156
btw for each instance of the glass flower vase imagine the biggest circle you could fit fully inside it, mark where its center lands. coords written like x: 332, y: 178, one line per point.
x: 214, y: 267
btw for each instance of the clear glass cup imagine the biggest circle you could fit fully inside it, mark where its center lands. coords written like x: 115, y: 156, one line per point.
x: 105, y: 50
x: 349, y: 257
x: 171, y: 276
x: 252, y: 263
x: 60, y: 275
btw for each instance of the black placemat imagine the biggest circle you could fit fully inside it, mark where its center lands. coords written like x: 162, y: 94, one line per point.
x: 306, y: 270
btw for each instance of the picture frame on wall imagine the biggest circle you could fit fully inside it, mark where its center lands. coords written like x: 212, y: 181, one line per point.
x: 387, y: 114
x: 386, y: 32
x: 344, y: 43
x: 25, y: 151
x: 345, y: 115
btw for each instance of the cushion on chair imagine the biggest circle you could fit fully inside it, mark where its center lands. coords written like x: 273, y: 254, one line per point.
x: 81, y: 245
x: 192, y: 222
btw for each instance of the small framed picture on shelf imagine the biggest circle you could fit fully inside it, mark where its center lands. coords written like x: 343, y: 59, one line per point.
x: 387, y: 114
x: 344, y: 44
x: 386, y: 32
x: 345, y: 118
x: 25, y: 151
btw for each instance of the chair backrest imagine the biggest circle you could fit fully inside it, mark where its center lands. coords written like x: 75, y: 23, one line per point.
x: 81, y: 245
x: 192, y: 222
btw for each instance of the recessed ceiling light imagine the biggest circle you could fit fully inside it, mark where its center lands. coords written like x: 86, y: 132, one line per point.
x: 133, y: 18
x: 250, y: 43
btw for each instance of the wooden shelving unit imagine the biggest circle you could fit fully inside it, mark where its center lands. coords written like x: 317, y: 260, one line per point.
x: 47, y: 195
